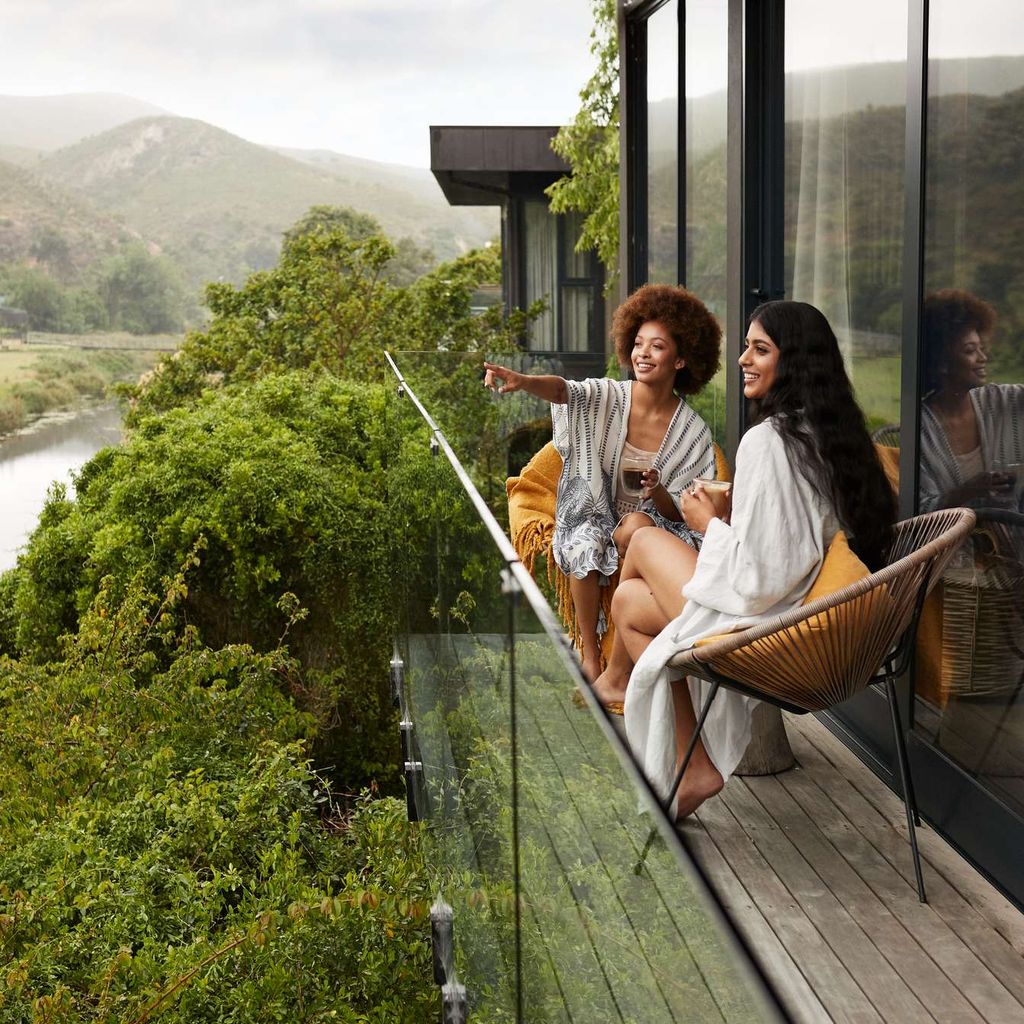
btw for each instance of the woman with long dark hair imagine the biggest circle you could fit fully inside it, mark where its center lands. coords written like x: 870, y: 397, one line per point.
x: 805, y: 470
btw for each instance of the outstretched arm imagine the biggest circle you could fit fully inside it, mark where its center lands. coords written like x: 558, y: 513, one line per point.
x: 546, y: 386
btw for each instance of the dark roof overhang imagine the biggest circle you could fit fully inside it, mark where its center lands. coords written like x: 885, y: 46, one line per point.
x: 483, y: 166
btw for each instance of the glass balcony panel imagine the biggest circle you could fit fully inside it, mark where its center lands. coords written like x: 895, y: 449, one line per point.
x: 611, y: 931
x: 845, y: 106
x: 970, y: 678
x: 663, y: 144
x: 535, y: 815
x: 453, y: 641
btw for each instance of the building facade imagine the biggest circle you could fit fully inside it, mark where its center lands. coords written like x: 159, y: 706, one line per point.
x: 510, y: 167
x: 866, y: 160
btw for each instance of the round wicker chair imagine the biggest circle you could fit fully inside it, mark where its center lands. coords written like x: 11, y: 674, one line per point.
x: 823, y: 653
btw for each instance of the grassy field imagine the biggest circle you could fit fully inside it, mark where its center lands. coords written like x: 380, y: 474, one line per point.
x: 876, y: 383
x: 44, y: 377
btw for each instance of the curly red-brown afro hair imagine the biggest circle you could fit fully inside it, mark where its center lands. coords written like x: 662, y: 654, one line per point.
x: 695, y: 331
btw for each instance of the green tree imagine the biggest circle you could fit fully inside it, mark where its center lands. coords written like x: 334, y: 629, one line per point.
x: 142, y: 294
x: 324, y: 220
x: 590, y: 144
x: 33, y: 290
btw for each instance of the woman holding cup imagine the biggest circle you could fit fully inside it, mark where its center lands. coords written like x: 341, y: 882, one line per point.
x: 630, y: 447
x: 804, y: 470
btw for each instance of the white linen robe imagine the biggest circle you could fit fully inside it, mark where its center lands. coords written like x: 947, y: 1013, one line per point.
x: 589, y: 430
x: 761, y: 565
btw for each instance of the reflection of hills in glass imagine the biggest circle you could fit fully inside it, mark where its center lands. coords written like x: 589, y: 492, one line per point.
x: 841, y: 90
x: 854, y: 162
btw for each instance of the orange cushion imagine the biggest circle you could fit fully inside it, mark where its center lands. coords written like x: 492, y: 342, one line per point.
x: 840, y: 568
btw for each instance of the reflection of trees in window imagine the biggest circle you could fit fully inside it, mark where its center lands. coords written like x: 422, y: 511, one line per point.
x: 975, y: 195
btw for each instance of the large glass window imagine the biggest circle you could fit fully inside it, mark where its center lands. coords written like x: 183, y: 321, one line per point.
x: 663, y: 145
x: 845, y: 103
x: 540, y: 249
x: 706, y: 69
x: 971, y: 655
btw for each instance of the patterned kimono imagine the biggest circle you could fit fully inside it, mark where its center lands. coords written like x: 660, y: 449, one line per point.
x: 999, y: 409
x: 589, y: 431
x: 758, y: 566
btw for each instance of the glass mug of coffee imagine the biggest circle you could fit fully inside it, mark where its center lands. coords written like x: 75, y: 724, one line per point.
x: 718, y: 491
x: 632, y: 469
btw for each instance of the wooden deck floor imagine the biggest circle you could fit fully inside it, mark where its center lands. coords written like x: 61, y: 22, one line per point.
x: 815, y: 868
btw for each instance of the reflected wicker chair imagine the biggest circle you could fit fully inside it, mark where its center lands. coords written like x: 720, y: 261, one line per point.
x: 822, y: 653
x: 888, y: 436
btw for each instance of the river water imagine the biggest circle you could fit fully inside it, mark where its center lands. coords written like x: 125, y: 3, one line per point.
x: 49, y: 451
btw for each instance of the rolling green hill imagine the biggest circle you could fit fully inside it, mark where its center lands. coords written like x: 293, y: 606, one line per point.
x: 41, y: 221
x: 218, y: 204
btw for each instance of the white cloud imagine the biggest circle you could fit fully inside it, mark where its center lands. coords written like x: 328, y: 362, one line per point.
x: 361, y: 76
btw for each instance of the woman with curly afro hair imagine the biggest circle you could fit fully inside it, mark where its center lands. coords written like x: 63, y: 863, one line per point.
x: 608, y: 431
x: 805, y: 470
x: 971, y: 432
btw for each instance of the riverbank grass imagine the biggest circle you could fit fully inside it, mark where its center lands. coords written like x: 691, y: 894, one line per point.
x: 36, y: 379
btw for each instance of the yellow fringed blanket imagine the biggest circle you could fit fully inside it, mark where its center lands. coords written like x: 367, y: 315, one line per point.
x: 531, y: 522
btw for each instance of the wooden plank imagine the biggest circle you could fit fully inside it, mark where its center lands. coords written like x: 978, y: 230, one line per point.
x: 978, y: 960
x: 826, y: 974
x: 809, y: 818
x: 880, y: 983
x: 1004, y: 917
x: 797, y: 996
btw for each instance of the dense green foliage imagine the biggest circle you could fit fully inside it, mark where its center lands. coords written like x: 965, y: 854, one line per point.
x: 328, y: 305
x: 194, y: 669
x: 167, y: 850
x: 590, y: 144
x: 130, y: 290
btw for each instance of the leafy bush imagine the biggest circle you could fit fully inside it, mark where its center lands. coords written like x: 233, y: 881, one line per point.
x: 283, y: 481
x: 163, y: 849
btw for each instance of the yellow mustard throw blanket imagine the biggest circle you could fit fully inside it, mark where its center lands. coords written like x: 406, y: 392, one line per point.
x: 531, y: 523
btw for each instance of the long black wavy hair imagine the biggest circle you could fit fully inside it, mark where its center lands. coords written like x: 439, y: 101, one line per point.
x: 822, y: 426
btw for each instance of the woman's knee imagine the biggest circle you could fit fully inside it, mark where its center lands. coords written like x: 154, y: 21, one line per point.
x: 645, y: 539
x: 625, y: 531
x: 627, y: 593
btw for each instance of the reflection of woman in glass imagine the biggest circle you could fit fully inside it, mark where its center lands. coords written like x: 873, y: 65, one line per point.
x: 972, y: 437
x: 670, y: 342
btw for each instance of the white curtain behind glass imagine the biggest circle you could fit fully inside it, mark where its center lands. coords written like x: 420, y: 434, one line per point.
x: 541, y: 272
x: 817, y: 150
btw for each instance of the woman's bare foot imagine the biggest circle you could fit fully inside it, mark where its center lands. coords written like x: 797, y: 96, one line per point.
x: 701, y: 782
x: 591, y: 669
x: 610, y: 688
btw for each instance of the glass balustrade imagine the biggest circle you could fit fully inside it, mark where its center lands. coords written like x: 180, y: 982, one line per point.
x: 570, y: 897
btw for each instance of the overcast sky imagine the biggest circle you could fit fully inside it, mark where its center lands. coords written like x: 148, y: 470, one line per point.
x: 364, y: 77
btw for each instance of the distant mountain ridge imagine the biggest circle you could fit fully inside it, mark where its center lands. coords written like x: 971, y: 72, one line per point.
x: 50, y: 122
x: 99, y: 167
x: 826, y: 92
x: 34, y: 212
x: 219, y: 204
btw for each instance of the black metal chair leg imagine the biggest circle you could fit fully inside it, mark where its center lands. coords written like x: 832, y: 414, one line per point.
x: 909, y: 801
